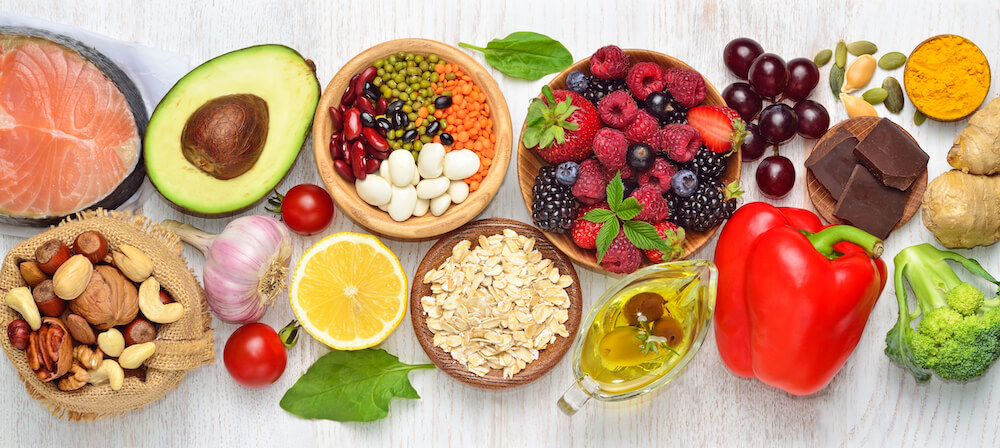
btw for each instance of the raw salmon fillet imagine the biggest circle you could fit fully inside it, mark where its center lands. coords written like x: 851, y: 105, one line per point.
x: 67, y: 135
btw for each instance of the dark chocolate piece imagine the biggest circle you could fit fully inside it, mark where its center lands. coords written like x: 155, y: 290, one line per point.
x: 869, y: 205
x: 891, y: 155
x: 833, y: 168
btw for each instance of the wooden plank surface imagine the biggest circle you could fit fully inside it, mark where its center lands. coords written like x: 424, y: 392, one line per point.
x: 871, y: 402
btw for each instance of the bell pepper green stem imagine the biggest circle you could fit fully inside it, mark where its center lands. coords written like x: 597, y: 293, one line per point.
x: 825, y: 239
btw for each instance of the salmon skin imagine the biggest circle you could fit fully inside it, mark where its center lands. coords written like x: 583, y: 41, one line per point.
x: 71, y: 129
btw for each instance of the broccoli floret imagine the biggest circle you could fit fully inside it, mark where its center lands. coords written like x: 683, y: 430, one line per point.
x: 958, y: 336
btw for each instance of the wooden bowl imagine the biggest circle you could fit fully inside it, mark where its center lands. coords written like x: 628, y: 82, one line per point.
x: 907, y: 71
x: 547, y: 358
x: 859, y: 127
x: 529, y: 162
x: 426, y: 226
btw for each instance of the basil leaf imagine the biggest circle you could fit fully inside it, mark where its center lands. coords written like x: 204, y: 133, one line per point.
x: 525, y: 55
x: 643, y: 235
x: 605, y: 236
x: 354, y: 386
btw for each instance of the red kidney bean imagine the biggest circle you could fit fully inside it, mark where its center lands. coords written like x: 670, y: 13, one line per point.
x: 352, y: 124
x: 379, y: 154
x: 336, y: 146
x: 364, y: 105
x: 337, y: 118
x: 358, y: 160
x: 351, y: 92
x: 371, y: 165
x: 374, y: 139
x: 381, y: 106
x: 343, y: 110
x: 367, y: 75
x: 345, y: 152
x: 343, y: 170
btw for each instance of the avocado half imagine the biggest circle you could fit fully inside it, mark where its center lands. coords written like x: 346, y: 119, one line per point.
x: 276, y: 74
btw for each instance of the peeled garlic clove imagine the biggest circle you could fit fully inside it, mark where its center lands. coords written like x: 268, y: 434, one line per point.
x: 857, y: 107
x: 421, y: 208
x: 859, y: 73
x: 440, y: 204
x: 458, y: 191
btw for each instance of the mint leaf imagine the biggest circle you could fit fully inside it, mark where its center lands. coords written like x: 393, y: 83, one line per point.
x: 354, y: 386
x: 643, y: 235
x: 599, y: 215
x: 525, y: 55
x: 615, y: 190
x: 629, y: 209
x: 605, y: 236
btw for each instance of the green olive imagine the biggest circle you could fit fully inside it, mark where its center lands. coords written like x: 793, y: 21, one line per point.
x: 621, y: 348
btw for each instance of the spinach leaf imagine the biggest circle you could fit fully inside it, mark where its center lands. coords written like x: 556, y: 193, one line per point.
x: 525, y: 55
x: 353, y: 386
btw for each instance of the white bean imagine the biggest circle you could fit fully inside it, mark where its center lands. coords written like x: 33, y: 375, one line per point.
x: 422, y: 206
x: 430, y: 161
x: 374, y: 190
x: 404, y: 200
x: 383, y: 170
x: 401, y: 167
x: 440, y: 204
x: 460, y: 164
x: 432, y: 188
x: 458, y: 190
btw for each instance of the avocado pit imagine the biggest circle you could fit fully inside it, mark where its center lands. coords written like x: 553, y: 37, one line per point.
x: 225, y: 136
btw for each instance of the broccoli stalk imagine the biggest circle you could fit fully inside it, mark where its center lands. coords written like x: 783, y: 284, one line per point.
x: 958, y: 336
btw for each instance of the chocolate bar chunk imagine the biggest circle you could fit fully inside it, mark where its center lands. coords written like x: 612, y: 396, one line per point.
x: 891, y: 155
x: 869, y: 205
x: 832, y: 168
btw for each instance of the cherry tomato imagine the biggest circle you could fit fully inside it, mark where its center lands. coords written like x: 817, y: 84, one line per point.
x: 307, y: 209
x: 254, y: 355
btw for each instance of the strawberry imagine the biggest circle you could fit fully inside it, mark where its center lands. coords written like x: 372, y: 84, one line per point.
x: 585, y: 232
x: 561, y: 126
x: 721, y: 128
x: 673, y: 236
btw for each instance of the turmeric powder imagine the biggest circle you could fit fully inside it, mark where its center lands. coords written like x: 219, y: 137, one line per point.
x: 947, y: 77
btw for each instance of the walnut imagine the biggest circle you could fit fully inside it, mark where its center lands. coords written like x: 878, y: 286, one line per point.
x: 90, y: 358
x: 77, y: 378
x: 109, y: 300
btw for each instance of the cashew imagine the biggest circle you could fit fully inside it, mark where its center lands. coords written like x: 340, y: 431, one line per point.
x: 136, y: 265
x: 21, y: 301
x: 152, y: 308
x: 134, y: 355
x: 111, y: 342
x: 108, y: 372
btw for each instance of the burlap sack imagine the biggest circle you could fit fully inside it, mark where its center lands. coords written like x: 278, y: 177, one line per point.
x: 180, y: 346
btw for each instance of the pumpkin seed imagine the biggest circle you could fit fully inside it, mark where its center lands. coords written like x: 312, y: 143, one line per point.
x: 859, y: 73
x: 823, y: 57
x: 894, y: 98
x: 918, y: 117
x: 861, y: 47
x: 875, y: 96
x: 840, y: 56
x: 857, y: 107
x: 892, y: 61
x: 836, y: 79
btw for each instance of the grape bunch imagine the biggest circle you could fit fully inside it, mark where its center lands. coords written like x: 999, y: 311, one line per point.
x: 769, y: 78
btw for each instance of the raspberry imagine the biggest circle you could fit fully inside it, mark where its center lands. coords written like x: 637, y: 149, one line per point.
x: 680, y: 141
x: 585, y: 232
x: 591, y: 186
x: 610, y: 147
x: 674, y: 239
x: 617, y: 109
x: 659, y: 175
x: 622, y: 256
x: 644, y: 129
x: 645, y: 78
x: 609, y: 62
x: 654, y: 207
x: 685, y: 85
x: 627, y: 172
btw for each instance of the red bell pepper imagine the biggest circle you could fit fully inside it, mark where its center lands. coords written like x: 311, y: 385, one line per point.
x: 793, y: 295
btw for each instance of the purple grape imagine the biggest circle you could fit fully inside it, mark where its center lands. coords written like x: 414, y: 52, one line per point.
x: 777, y: 123
x: 775, y: 176
x: 803, y: 75
x: 741, y: 97
x: 813, y: 120
x: 768, y: 75
x: 754, y: 144
x: 739, y: 55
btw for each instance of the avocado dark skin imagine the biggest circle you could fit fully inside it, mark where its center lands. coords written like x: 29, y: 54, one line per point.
x: 225, y: 136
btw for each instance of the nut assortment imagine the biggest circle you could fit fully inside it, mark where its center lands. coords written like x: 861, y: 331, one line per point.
x: 82, y: 308
x: 497, y: 305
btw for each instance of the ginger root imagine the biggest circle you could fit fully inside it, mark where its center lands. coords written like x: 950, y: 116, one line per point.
x: 977, y: 148
x: 963, y: 210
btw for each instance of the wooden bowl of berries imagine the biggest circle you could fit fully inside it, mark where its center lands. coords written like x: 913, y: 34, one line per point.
x: 412, y: 138
x: 646, y: 144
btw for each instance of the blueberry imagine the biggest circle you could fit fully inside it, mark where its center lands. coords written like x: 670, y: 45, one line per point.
x: 656, y: 104
x: 640, y: 156
x: 684, y: 183
x: 576, y: 81
x: 567, y: 172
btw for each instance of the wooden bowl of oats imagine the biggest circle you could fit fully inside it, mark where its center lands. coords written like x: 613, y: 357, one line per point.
x: 495, y: 305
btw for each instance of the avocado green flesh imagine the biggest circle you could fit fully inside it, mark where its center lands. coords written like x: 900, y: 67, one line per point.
x: 277, y: 74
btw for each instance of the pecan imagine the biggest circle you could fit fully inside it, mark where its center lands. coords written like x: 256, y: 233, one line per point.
x: 50, y: 350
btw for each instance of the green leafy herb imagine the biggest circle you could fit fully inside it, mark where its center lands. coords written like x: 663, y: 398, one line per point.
x: 354, y: 386
x: 650, y: 342
x: 642, y: 234
x: 547, y: 124
x: 525, y: 55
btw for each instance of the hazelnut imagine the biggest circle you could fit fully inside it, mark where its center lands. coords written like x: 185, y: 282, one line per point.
x: 109, y: 299
x: 139, y: 331
x: 18, y: 332
x: 46, y: 300
x: 80, y: 330
x: 51, y: 255
x: 32, y: 273
x: 91, y: 244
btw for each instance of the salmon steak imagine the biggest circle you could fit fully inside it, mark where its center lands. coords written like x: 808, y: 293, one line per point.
x: 71, y: 126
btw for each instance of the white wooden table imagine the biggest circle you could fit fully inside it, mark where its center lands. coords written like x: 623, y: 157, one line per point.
x: 871, y: 402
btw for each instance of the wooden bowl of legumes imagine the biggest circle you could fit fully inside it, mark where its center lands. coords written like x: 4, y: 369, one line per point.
x: 400, y: 98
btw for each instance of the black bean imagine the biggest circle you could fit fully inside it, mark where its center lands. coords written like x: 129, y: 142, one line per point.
x: 409, y: 136
x: 433, y: 128
x: 367, y: 120
x: 447, y: 139
x: 442, y: 102
x: 399, y: 119
x: 383, y: 125
x: 394, y: 106
x: 371, y: 91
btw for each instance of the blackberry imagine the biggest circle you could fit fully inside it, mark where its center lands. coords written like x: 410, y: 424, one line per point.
x: 597, y: 88
x: 553, y: 206
x: 710, y: 204
x: 665, y: 108
x: 707, y: 164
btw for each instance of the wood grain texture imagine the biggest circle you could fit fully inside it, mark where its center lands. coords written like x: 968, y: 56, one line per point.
x: 871, y: 402
x: 427, y: 226
x: 529, y: 162
x: 547, y: 358
x: 825, y: 203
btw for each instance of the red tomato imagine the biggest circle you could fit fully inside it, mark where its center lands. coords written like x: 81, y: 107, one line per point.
x: 254, y: 355
x: 307, y: 209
